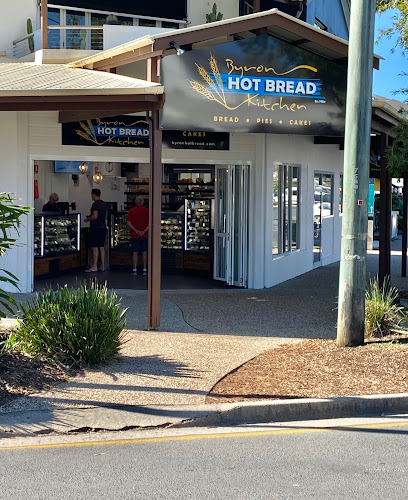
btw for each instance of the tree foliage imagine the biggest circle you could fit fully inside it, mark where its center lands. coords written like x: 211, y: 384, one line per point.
x: 399, y: 26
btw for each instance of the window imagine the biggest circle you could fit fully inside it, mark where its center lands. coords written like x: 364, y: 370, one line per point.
x: 286, y: 208
x: 150, y: 23
x: 320, y: 25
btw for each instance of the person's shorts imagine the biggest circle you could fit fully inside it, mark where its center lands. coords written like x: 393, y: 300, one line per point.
x: 97, y: 237
x: 139, y: 244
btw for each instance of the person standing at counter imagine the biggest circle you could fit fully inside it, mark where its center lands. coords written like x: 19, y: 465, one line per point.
x: 97, y: 231
x: 138, y: 223
x: 51, y: 205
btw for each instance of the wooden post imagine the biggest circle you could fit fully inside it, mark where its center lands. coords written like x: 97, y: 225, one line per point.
x: 154, y: 253
x: 257, y: 6
x: 155, y: 198
x: 384, y: 263
x: 404, y: 225
x: 353, y: 264
x: 44, y: 24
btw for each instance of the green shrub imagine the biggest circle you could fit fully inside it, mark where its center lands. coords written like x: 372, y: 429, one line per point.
x: 382, y: 314
x: 10, y: 221
x: 80, y: 327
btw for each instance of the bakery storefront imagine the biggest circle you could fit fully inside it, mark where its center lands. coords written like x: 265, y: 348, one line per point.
x: 251, y: 162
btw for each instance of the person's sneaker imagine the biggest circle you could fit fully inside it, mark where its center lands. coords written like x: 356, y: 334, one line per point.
x: 144, y: 272
x: 134, y: 272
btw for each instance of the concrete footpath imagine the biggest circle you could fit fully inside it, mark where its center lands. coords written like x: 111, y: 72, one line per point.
x: 162, y: 378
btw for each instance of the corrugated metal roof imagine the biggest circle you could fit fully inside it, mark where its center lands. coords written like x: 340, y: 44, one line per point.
x: 25, y: 79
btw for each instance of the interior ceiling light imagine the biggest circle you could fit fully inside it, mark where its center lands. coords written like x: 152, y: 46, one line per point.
x: 83, y: 167
x: 97, y: 177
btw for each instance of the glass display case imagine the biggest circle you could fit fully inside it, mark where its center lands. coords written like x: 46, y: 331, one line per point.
x: 56, y: 234
x: 120, y: 234
x: 197, y: 214
x: 172, y: 230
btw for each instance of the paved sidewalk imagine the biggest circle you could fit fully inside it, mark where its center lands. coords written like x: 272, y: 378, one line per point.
x: 162, y: 377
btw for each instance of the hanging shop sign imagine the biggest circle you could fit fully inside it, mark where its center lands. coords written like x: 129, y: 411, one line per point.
x: 133, y: 131
x: 119, y: 131
x: 254, y: 85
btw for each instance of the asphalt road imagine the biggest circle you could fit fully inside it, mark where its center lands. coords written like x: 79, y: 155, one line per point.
x: 351, y: 462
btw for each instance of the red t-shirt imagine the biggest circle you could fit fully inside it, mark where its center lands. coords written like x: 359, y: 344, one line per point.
x: 139, y: 218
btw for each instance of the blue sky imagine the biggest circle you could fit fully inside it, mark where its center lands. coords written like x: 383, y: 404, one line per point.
x: 388, y: 78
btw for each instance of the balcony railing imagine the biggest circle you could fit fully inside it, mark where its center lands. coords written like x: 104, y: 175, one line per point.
x: 61, y: 37
x: 24, y: 46
x: 75, y: 37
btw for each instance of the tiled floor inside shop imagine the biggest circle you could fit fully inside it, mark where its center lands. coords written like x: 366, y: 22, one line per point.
x: 119, y: 279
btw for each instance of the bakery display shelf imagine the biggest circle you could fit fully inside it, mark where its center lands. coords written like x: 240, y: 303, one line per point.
x: 56, y: 235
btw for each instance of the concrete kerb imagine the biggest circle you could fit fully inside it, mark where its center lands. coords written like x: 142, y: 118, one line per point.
x: 120, y: 418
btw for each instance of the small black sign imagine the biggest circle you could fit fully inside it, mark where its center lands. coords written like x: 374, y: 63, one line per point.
x: 133, y: 132
x: 117, y: 131
x: 187, y: 139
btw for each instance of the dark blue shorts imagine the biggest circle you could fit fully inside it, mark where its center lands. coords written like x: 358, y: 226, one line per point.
x: 139, y: 244
x: 97, y: 236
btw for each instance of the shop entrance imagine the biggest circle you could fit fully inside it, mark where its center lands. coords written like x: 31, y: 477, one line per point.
x: 231, y: 224
x: 203, y: 223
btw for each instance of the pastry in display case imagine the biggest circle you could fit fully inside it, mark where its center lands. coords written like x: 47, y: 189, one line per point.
x: 120, y: 234
x: 172, y: 230
x: 197, y: 225
x: 56, y: 234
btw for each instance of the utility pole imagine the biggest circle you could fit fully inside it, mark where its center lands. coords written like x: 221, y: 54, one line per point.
x: 351, y: 315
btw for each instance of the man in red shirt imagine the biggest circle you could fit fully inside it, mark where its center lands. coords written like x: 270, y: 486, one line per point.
x: 138, y: 223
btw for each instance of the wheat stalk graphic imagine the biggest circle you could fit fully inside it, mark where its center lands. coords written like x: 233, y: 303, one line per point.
x: 214, y: 82
x: 89, y: 133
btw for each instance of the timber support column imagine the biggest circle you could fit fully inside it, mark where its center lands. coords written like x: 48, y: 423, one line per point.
x: 154, y: 252
x: 155, y: 199
x: 404, y: 225
x: 384, y: 264
x: 44, y: 24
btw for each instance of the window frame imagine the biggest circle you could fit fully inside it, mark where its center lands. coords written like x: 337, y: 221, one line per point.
x: 287, y: 238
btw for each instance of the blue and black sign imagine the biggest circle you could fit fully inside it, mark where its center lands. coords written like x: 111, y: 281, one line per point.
x: 259, y: 84
x: 133, y: 132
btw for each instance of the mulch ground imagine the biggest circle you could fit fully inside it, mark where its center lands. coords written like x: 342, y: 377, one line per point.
x: 317, y: 369
x: 306, y: 369
x: 21, y: 375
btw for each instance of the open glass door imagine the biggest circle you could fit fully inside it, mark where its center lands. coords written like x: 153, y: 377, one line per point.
x: 231, y: 224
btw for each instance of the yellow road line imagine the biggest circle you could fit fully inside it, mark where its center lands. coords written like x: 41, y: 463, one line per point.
x: 204, y: 436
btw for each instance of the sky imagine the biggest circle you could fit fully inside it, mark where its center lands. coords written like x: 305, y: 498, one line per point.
x: 388, y: 79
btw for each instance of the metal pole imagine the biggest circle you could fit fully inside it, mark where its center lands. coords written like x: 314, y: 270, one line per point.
x: 44, y: 24
x: 351, y: 315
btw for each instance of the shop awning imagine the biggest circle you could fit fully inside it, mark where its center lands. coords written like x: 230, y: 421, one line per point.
x: 33, y: 87
x: 272, y: 22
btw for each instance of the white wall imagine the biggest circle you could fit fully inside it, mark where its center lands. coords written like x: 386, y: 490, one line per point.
x: 301, y: 151
x: 14, y: 17
x: 117, y: 35
x: 196, y: 11
x: 16, y: 176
